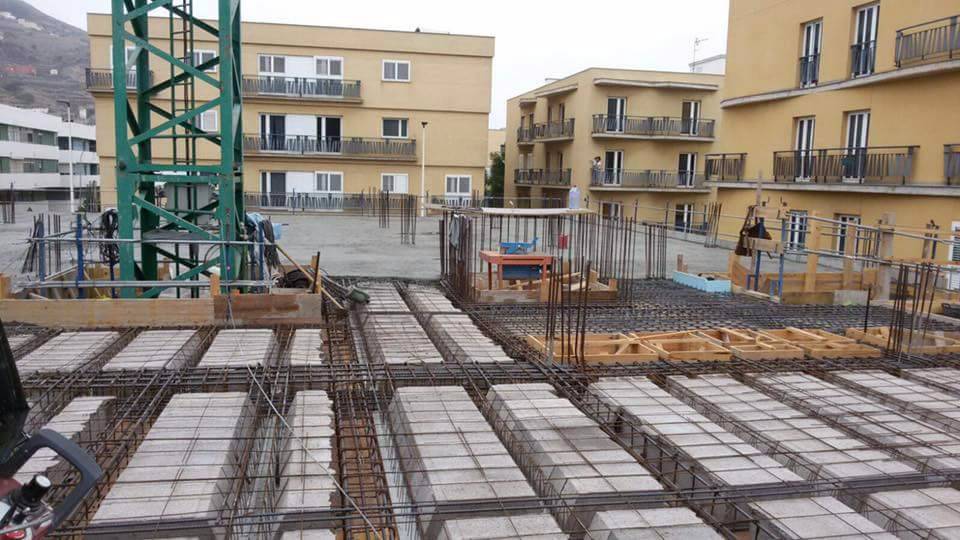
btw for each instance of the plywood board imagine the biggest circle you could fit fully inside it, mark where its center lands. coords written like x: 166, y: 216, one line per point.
x: 601, y: 349
x: 933, y: 342
x: 820, y: 344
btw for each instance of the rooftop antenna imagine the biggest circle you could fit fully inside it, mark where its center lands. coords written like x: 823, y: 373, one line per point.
x: 696, y: 45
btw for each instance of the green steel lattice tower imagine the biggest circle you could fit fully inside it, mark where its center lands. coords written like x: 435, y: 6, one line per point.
x: 167, y: 75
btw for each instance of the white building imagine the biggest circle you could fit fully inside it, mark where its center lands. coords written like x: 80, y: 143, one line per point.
x: 714, y: 65
x: 35, y: 158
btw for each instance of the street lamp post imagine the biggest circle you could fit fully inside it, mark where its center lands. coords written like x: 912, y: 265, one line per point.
x: 423, y: 169
x: 73, y: 207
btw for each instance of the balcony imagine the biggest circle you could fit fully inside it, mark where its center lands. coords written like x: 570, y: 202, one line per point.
x: 302, y: 88
x: 951, y: 164
x: 863, y: 58
x: 930, y: 41
x: 340, y: 147
x: 652, y: 127
x: 876, y: 165
x: 647, y: 179
x: 101, y: 80
x: 542, y: 177
x: 525, y: 135
x: 809, y: 70
x: 724, y: 167
x: 553, y: 131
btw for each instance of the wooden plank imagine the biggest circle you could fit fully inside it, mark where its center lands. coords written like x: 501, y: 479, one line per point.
x: 813, y: 260
x: 934, y: 342
x: 118, y: 313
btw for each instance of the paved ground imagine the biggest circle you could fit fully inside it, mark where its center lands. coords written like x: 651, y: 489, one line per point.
x: 357, y: 246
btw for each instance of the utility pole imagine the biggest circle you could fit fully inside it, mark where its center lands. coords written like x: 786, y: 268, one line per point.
x: 423, y: 169
x: 73, y: 207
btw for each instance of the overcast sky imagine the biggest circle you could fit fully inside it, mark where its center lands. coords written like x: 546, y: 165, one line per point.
x: 535, y: 39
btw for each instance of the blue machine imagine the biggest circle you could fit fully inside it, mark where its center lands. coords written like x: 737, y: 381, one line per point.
x: 520, y: 271
x: 518, y: 248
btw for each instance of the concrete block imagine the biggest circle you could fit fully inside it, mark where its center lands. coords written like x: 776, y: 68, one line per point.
x: 529, y: 527
x: 650, y: 524
x: 811, y: 518
x: 307, y: 347
x: 156, y: 349
x: 239, y: 348
x: 66, y: 352
x: 917, y: 513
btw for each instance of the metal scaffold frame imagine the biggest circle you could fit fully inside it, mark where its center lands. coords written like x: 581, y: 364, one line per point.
x: 173, y: 98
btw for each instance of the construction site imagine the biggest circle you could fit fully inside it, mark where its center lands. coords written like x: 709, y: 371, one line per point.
x: 171, y: 370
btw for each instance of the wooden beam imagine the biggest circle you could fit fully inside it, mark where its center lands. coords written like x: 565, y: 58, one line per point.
x: 813, y: 260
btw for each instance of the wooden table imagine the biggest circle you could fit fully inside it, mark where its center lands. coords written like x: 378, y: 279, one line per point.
x: 534, y: 258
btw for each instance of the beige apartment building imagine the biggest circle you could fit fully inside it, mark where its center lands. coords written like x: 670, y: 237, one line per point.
x: 630, y: 141
x: 335, y: 111
x: 846, y: 108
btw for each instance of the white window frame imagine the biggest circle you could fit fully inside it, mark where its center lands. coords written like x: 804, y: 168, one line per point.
x: 396, y: 71
x: 272, y: 58
x: 459, y: 192
x: 328, y: 191
x: 393, y: 177
x: 404, y: 133
x: 847, y: 220
x: 805, y: 130
x: 810, y: 44
x: 339, y: 77
x: 687, y: 177
x: 797, y: 225
x: 208, y: 117
x: 198, y: 58
x: 693, y: 116
x: 685, y: 210
x: 614, y: 210
x: 953, y: 277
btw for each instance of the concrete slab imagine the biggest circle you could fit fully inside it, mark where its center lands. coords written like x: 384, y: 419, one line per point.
x: 156, y: 349
x: 316, y: 534
x: 650, y: 524
x: 907, y: 394
x: 531, y: 527
x: 916, y: 514
x: 452, y: 459
x: 547, y: 434
x: 807, y: 445
x: 180, y: 475
x: 307, y: 474
x: 239, y: 347
x: 948, y: 378
x: 398, y: 339
x: 82, y: 421
x: 812, y: 518
x: 384, y: 298
x: 66, y: 351
x: 934, y: 447
x: 307, y: 348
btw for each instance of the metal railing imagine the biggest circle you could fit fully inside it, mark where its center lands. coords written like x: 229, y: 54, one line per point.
x: 305, y: 87
x: 724, y: 167
x: 554, y: 130
x: 525, y: 134
x: 951, y: 164
x: 930, y: 40
x: 344, y: 146
x: 867, y: 165
x: 863, y: 58
x: 542, y: 177
x: 652, y: 126
x: 809, y: 70
x: 102, y: 79
x: 647, y: 178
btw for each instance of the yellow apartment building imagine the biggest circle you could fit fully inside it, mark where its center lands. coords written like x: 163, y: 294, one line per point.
x: 628, y: 140
x: 846, y: 108
x: 334, y: 111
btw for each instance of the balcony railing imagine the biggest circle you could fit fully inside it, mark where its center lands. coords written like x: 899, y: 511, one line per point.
x: 341, y: 146
x: 932, y: 40
x: 724, y: 167
x: 652, y: 126
x: 639, y: 179
x: 951, y: 164
x: 525, y: 134
x: 879, y: 165
x: 863, y: 58
x: 809, y: 70
x: 301, y: 87
x: 554, y: 130
x: 542, y: 177
x: 102, y: 79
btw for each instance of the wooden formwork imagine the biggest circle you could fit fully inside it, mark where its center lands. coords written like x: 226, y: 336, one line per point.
x: 751, y: 345
x: 932, y: 342
x: 626, y: 348
x: 820, y: 344
x: 686, y: 346
x: 537, y: 290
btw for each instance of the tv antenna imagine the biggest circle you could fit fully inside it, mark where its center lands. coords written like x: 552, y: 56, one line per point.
x: 696, y: 45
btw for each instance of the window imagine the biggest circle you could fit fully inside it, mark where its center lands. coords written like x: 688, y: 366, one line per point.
x: 616, y: 114
x: 329, y: 67
x: 841, y: 243
x: 4, y: 165
x: 612, y: 173
x: 394, y: 182
x: 855, y: 161
x: 207, y: 121
x: 458, y: 185
x: 690, y: 118
x: 395, y: 128
x: 201, y: 56
x: 810, y: 54
x: 864, y: 50
x: 686, y: 170
x: 612, y: 210
x: 683, y: 217
x: 953, y: 281
x: 396, y: 70
x: 803, y: 156
x: 797, y: 229
x: 329, y: 182
x: 272, y: 64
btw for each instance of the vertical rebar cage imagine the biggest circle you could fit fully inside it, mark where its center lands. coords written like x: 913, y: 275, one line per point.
x: 176, y: 86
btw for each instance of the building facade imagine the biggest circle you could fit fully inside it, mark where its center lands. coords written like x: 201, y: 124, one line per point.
x: 35, y: 159
x: 633, y: 142
x: 330, y: 112
x: 845, y: 108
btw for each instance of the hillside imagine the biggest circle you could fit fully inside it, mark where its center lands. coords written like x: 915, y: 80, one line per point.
x: 32, y: 44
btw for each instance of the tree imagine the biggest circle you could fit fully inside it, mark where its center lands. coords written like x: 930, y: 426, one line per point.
x: 494, y: 181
